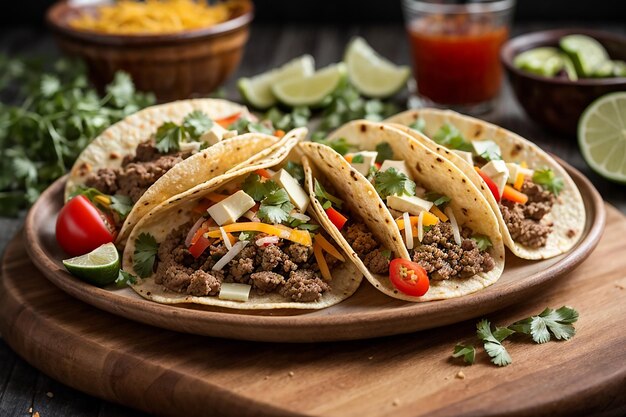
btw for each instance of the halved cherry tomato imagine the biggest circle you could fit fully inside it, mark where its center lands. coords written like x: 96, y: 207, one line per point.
x: 228, y: 120
x: 264, y: 173
x: 408, y: 277
x: 378, y: 165
x: 200, y: 246
x: 336, y: 218
x: 81, y: 227
x: 492, y: 185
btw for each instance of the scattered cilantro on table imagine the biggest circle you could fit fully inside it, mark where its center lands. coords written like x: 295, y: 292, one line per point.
x: 550, y: 322
x: 47, y: 117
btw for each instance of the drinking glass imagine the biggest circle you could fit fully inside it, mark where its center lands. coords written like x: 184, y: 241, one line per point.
x: 455, y: 50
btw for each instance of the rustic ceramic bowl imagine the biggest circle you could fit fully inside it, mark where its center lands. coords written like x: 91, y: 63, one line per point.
x: 173, y: 66
x: 557, y: 103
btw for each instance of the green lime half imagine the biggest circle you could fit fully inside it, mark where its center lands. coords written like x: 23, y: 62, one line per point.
x: 310, y: 90
x: 586, y: 53
x: 258, y: 90
x: 602, y: 136
x: 372, y: 74
x: 546, y: 61
x: 101, y: 266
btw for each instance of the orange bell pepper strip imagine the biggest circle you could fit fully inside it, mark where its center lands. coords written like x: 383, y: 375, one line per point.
x: 512, y: 194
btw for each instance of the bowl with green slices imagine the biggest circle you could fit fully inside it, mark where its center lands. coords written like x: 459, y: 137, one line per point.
x: 556, y: 74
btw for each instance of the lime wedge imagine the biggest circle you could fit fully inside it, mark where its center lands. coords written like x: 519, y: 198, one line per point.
x: 545, y: 61
x: 569, y: 68
x: 310, y: 90
x: 602, y: 136
x: 258, y: 90
x: 620, y: 68
x: 372, y: 74
x: 100, y: 266
x: 586, y: 53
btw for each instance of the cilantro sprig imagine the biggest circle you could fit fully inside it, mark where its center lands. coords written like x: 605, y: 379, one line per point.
x: 482, y: 242
x: 393, y: 182
x: 170, y: 135
x: 451, y: 137
x: 546, y: 178
x: 275, y: 207
x: 243, y: 125
x: 144, y: 256
x: 257, y: 188
x: 339, y: 145
x: 438, y: 199
x: 295, y: 170
x: 550, y: 322
x: 325, y: 198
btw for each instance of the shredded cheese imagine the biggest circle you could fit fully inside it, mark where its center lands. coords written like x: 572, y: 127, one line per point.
x: 321, y: 262
x: 152, y: 16
x: 455, y: 226
x: 408, y: 231
x: 435, y: 210
x: 328, y: 247
x: 429, y: 220
x: 302, y: 237
x: 420, y: 226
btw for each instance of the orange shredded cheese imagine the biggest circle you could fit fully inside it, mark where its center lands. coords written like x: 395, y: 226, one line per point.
x: 152, y: 17
x: 328, y: 247
x: 435, y: 210
x: 302, y: 237
x: 321, y: 262
x: 429, y: 220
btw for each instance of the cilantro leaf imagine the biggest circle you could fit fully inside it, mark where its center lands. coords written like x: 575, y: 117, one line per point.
x: 309, y: 227
x: 492, y: 153
x: 492, y: 344
x: 546, y: 178
x: 468, y: 353
x: 275, y: 207
x: 325, y: 198
x: 121, y: 89
x: 558, y: 322
x: 122, y: 204
x: 450, y: 137
x: 168, y: 137
x: 419, y: 125
x: 295, y: 170
x: 146, y: 249
x: 276, y: 197
x: 437, y: 198
x: 124, y: 279
x: 482, y: 242
x: 257, y: 188
x: 357, y: 159
x: 393, y: 182
x: 196, y: 124
x: 384, y: 152
x: 243, y: 125
x: 339, y: 145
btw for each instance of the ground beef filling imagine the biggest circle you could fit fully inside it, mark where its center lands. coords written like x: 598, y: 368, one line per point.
x: 367, y: 248
x: 286, y: 268
x: 524, y: 220
x: 443, y: 259
x: 136, y: 174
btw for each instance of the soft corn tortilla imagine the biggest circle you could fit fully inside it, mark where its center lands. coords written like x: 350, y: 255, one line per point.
x: 360, y: 197
x: 177, y: 210
x: 567, y: 214
x: 121, y: 139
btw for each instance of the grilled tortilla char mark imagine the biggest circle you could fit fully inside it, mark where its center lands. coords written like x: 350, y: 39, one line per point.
x: 443, y: 259
x: 286, y: 268
x: 524, y: 220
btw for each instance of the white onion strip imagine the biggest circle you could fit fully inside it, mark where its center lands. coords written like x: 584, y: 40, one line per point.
x: 455, y: 226
x: 267, y: 240
x: 420, y: 226
x: 300, y: 216
x: 408, y: 230
x: 193, y: 231
x: 250, y: 215
x: 225, y: 238
x: 230, y: 255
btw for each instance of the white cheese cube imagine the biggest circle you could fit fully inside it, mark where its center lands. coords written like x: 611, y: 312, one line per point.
x: 466, y: 156
x: 231, y: 208
x: 297, y: 195
x: 216, y: 134
x: 486, y: 146
x: 515, y: 169
x: 498, y: 172
x: 408, y: 204
x: 369, y: 158
x: 400, y: 166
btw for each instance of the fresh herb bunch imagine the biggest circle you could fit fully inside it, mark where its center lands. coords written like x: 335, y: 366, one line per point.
x: 54, y: 114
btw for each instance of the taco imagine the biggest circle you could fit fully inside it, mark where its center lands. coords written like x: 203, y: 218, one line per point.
x: 410, y: 219
x: 132, y: 166
x: 539, y: 208
x: 244, y: 240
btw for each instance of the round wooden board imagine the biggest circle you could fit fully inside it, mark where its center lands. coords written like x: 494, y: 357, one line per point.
x: 366, y: 314
x: 169, y: 373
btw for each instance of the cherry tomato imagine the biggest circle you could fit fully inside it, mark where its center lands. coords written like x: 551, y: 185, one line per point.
x: 408, y: 277
x: 492, y: 185
x: 81, y: 227
x: 200, y: 246
x: 264, y: 173
x: 336, y: 218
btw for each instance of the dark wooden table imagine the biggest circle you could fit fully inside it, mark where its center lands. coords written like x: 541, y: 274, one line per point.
x: 24, y: 390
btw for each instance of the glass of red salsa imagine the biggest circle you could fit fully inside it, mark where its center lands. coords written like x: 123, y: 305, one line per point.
x: 455, y: 49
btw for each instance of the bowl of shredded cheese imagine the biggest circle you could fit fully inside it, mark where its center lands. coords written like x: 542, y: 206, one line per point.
x: 173, y: 48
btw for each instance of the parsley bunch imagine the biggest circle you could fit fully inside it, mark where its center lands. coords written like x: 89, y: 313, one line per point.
x: 54, y: 116
x: 550, y: 322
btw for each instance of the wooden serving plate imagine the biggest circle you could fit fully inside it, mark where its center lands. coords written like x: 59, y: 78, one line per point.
x: 368, y: 313
x: 175, y: 374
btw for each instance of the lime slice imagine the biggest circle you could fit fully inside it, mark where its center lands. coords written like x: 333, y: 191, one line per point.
x: 604, y: 70
x: 310, y: 90
x: 372, y: 74
x: 619, y: 69
x: 101, y: 266
x: 569, y: 68
x: 602, y: 136
x: 258, y: 90
x: 586, y: 53
x: 545, y: 61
